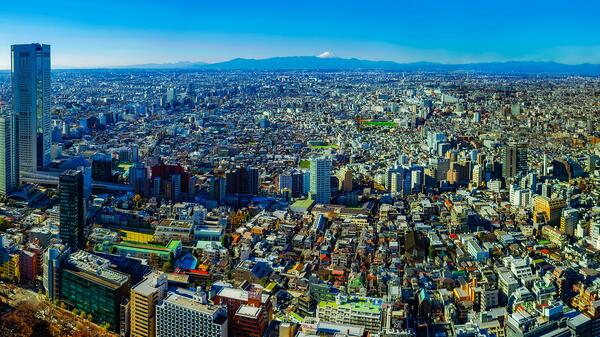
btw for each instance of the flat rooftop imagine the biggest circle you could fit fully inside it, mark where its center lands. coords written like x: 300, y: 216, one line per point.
x: 96, y: 268
x: 248, y: 311
x: 191, y: 304
x: 239, y: 294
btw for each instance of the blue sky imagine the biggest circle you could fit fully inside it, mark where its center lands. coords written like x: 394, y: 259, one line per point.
x: 103, y: 33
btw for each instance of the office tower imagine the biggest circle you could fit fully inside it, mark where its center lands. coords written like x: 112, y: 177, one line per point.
x: 9, y: 164
x: 156, y: 182
x: 102, y: 168
x: 142, y: 307
x: 170, y: 182
x: 52, y: 259
x: 138, y: 178
x: 176, y: 188
x: 441, y: 167
x: 72, y: 213
x: 514, y: 160
x: 306, y: 182
x: 550, y: 208
x: 30, y: 78
x: 135, y: 153
x: 320, y: 182
x: 253, y: 180
x: 242, y: 180
x: 90, y: 285
x: 284, y: 182
x: 568, y: 221
x: 171, y: 96
x: 218, y: 189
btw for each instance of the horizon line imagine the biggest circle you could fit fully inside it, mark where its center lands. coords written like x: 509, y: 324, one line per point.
x: 156, y: 65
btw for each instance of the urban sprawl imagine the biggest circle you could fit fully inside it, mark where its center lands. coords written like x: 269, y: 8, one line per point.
x: 177, y: 203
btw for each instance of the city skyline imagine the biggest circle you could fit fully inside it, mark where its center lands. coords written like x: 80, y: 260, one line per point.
x: 402, y: 32
x: 390, y: 169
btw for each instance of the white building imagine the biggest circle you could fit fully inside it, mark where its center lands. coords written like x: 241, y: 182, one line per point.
x: 179, y: 315
x: 320, y: 180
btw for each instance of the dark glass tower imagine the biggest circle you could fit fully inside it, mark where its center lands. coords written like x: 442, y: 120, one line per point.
x: 72, y: 217
x: 514, y: 160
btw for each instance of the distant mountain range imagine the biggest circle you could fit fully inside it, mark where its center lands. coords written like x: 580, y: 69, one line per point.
x: 335, y: 63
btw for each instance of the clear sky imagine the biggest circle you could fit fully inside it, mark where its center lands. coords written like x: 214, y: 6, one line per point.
x: 90, y: 33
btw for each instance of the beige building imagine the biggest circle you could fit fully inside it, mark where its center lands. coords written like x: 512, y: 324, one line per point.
x: 551, y: 209
x: 344, y: 176
x: 144, y: 297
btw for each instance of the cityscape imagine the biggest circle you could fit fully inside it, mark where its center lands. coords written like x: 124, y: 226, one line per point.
x: 298, y: 196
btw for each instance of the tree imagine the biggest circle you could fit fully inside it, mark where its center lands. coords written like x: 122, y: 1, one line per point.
x: 167, y: 267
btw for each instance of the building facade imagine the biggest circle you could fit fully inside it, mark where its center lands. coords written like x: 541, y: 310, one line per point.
x: 9, y: 164
x: 30, y: 78
x: 179, y: 315
x: 320, y: 180
x: 72, y: 213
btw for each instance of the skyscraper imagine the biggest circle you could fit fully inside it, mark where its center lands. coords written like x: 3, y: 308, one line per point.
x: 514, y: 160
x: 253, y: 180
x: 72, y: 217
x: 30, y: 78
x: 9, y: 165
x: 320, y: 183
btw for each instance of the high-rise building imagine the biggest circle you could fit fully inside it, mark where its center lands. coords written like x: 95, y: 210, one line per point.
x: 179, y: 315
x: 514, y: 159
x: 345, y: 179
x: 568, y: 221
x: 72, y: 213
x: 253, y: 179
x: 142, y: 307
x: 52, y: 259
x: 242, y: 180
x: 217, y: 189
x: 30, y: 78
x: 138, y: 178
x: 320, y: 182
x: 90, y: 285
x: 102, y: 168
x: 478, y: 175
x: 9, y: 164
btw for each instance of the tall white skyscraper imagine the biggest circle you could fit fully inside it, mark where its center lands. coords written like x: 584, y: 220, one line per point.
x: 9, y: 165
x: 320, y: 180
x: 30, y: 78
